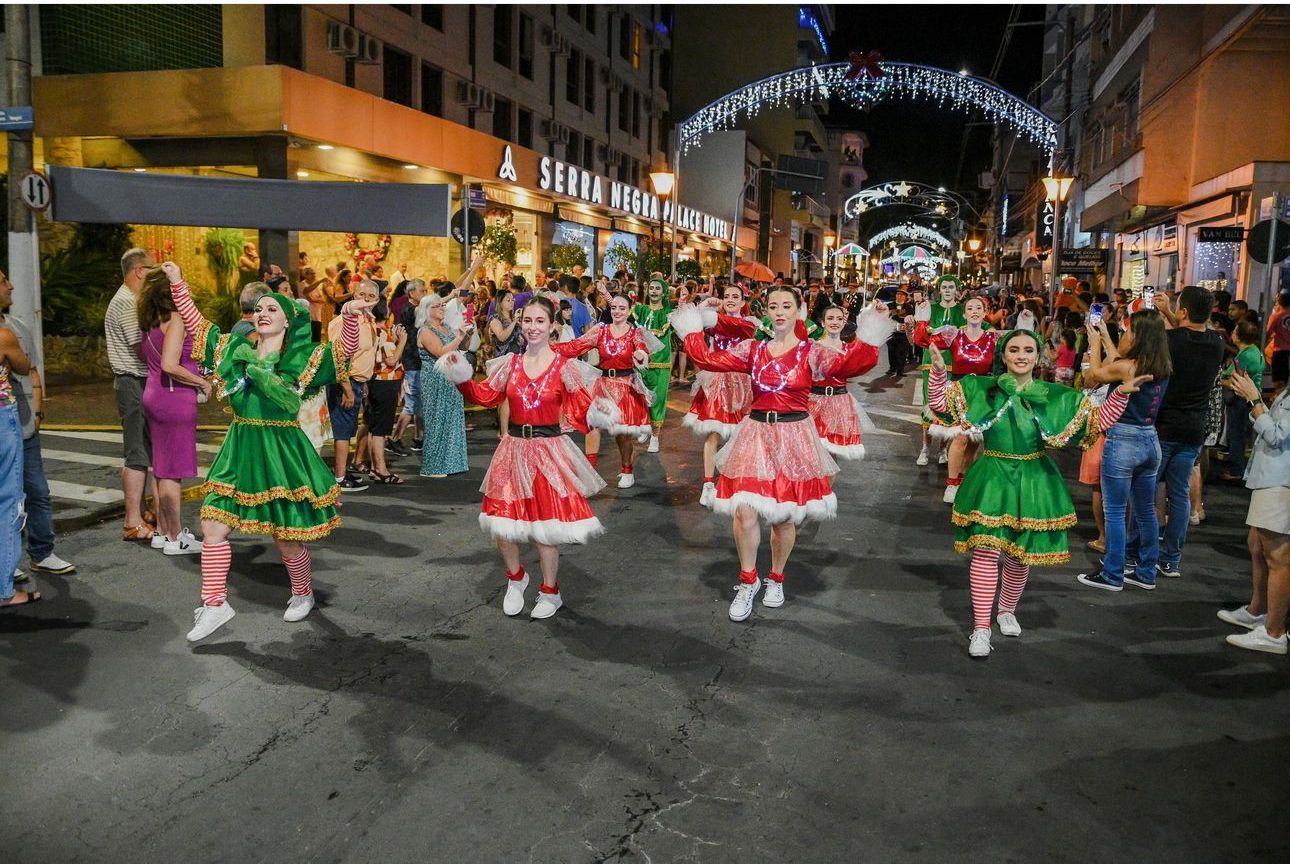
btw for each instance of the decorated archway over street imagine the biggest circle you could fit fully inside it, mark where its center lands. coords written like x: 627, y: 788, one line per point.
x: 866, y: 81
x: 903, y: 193
x: 910, y: 231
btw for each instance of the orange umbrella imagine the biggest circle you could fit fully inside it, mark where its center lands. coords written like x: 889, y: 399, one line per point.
x: 756, y: 271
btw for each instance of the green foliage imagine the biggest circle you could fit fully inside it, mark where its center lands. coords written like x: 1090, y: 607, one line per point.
x: 499, y: 243
x: 77, y: 283
x: 620, y: 256
x: 566, y: 256
x: 689, y: 269
x: 654, y: 257
x: 223, y: 249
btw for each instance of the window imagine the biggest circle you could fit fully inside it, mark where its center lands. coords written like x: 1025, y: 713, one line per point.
x: 624, y: 165
x: 575, y: 12
x: 589, y: 18
x: 573, y: 77
x: 624, y: 109
x: 526, y: 46
x: 665, y: 71
x: 405, y: 8
x: 502, y: 119
x: 589, y: 154
x: 573, y: 152
x: 431, y: 89
x: 503, y: 33
x: 282, y: 36
x: 524, y: 128
x: 637, y: 35
x: 636, y: 115
x: 398, y: 76
x: 625, y: 27
x: 432, y: 16
x: 589, y: 85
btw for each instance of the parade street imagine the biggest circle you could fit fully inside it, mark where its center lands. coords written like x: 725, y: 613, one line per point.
x: 409, y: 720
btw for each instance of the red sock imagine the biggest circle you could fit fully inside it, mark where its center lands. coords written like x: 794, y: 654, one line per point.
x: 217, y: 558
x: 748, y: 577
x: 627, y: 469
x: 709, y: 479
x: 593, y: 458
x: 550, y: 589
x: 517, y: 576
x: 300, y: 570
x: 776, y: 577
x: 954, y: 481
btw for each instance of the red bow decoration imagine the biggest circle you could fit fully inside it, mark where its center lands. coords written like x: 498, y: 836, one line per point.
x: 866, y: 64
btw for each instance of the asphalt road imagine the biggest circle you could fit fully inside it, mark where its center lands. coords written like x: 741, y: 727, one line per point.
x: 408, y: 720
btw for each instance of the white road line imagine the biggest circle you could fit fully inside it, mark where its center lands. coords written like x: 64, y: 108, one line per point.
x: 91, y: 458
x: 112, y: 438
x: 83, y: 493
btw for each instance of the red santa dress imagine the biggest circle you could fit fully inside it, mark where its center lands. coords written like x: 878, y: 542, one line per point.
x: 620, y: 402
x: 721, y: 399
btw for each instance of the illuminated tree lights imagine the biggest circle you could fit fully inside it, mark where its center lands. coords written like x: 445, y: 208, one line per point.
x: 911, y: 81
x: 910, y: 231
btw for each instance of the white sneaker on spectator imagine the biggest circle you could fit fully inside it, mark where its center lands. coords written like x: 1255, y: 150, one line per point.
x: 300, y: 606
x: 773, y: 596
x: 1008, y: 625
x: 653, y: 444
x: 513, y: 602
x: 546, y: 605
x: 741, y: 607
x: 1259, y: 640
x: 53, y: 564
x: 159, y: 541
x: 208, y: 619
x: 184, y: 544
x: 979, y: 644
x: 1242, y: 618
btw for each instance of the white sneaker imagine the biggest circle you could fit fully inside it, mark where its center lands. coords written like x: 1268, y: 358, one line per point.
x: 184, y: 544
x: 741, y: 607
x: 300, y: 606
x: 1242, y: 618
x: 708, y: 495
x: 626, y: 481
x: 653, y: 444
x: 943, y: 458
x: 922, y: 457
x: 979, y: 644
x: 53, y: 564
x: 1259, y: 640
x: 774, y: 594
x: 1008, y: 625
x: 208, y: 619
x: 951, y: 492
x: 1194, y: 518
x: 546, y: 605
x: 159, y: 541
x: 513, y: 602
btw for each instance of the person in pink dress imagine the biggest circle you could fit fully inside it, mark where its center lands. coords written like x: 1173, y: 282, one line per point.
x: 774, y: 466
x: 835, y: 411
x: 538, y: 482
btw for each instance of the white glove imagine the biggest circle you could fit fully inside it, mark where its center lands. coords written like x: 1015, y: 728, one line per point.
x: 923, y: 311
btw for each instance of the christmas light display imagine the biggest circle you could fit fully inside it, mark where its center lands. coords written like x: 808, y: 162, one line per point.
x: 910, y: 231
x: 911, y: 81
x: 904, y: 193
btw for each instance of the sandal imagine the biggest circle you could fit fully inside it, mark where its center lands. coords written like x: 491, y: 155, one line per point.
x: 361, y: 468
x: 141, y: 533
x: 28, y: 597
x: 390, y: 479
x: 1097, y: 547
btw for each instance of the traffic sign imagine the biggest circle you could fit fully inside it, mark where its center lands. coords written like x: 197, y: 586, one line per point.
x: 1260, y: 235
x: 477, y: 199
x: 458, y: 226
x: 35, y: 191
x: 15, y: 118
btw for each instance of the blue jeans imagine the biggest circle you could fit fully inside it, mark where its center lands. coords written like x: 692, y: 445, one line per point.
x: 40, y: 512
x: 10, y: 497
x: 1130, y: 460
x: 1176, y: 464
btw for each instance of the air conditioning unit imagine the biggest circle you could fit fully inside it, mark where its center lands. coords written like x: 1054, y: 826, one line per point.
x: 487, y: 101
x: 613, y: 159
x: 342, y: 39
x: 566, y: 134
x: 563, y: 46
x: 602, y: 153
x: 547, y: 38
x: 605, y: 77
x: 468, y: 94
x: 369, y: 50
x: 549, y: 130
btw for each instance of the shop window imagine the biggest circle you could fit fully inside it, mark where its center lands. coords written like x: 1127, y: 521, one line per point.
x: 589, y: 85
x: 524, y: 128
x: 398, y: 76
x: 573, y: 77
x: 502, y: 119
x: 636, y: 115
x: 432, y: 16
x: 526, y: 46
x: 431, y: 90
x: 503, y: 33
x: 625, y: 109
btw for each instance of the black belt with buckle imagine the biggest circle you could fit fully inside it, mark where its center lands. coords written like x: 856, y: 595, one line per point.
x: 617, y: 373
x: 527, y: 430
x: 827, y: 391
x: 778, y: 416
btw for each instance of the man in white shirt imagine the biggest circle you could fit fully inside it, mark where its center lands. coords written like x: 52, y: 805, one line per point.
x: 130, y: 371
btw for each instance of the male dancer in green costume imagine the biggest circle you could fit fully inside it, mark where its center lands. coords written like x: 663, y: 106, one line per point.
x: 946, y: 310
x: 653, y: 317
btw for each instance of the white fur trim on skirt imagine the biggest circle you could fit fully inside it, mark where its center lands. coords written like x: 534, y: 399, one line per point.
x: 608, y: 417
x: 550, y: 532
x: 775, y: 512
x: 703, y: 428
x: 844, y: 451
x: 940, y: 432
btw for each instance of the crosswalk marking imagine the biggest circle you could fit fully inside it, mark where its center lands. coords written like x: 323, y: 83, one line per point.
x: 89, y: 458
x: 112, y: 438
x: 81, y: 492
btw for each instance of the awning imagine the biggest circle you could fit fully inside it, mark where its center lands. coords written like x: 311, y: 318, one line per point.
x: 519, y: 200
x: 633, y: 226
x: 571, y: 214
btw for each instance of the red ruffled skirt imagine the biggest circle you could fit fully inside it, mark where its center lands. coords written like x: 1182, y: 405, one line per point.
x: 779, y: 470
x: 536, y: 491
x: 721, y: 402
x: 837, y: 420
x: 620, y: 406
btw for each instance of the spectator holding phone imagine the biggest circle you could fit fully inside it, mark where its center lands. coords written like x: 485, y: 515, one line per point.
x: 1249, y: 360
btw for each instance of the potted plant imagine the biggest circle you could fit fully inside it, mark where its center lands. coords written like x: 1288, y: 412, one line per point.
x: 566, y: 256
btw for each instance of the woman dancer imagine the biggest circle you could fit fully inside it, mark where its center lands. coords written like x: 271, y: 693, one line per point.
x: 971, y: 348
x: 774, y: 466
x: 947, y: 310
x: 621, y: 403
x: 1013, y: 499
x: 267, y: 478
x: 834, y: 410
x: 652, y: 315
x: 721, y: 398
x: 537, y: 485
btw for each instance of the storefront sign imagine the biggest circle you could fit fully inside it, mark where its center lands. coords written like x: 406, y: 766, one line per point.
x: 1084, y: 259
x: 1229, y: 234
x: 1045, y: 217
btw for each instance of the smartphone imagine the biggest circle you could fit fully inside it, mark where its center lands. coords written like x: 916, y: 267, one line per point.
x: 1148, y: 294
x: 1095, y: 313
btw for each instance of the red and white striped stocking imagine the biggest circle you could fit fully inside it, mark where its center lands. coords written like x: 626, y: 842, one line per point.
x: 217, y: 558
x: 300, y: 569
x: 983, y: 575
x: 1015, y: 575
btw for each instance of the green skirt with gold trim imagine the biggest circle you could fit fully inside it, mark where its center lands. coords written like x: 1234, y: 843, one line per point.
x: 1015, y: 504
x: 268, y: 479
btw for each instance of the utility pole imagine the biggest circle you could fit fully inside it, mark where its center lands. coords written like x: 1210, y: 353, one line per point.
x: 24, y: 249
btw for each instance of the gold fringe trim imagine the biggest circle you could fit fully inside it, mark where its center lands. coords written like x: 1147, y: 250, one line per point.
x: 311, y: 368
x: 986, y: 541
x: 277, y: 493
x: 1078, y: 422
x: 278, y: 532
x: 340, y: 361
x: 199, y: 341
x: 1025, y: 457
x: 259, y: 421
x: 1024, y: 523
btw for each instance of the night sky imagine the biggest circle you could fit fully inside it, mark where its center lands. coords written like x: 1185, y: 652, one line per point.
x: 916, y: 141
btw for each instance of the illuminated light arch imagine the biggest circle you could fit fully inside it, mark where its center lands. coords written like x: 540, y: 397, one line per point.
x: 907, y: 258
x: 910, y: 231
x: 912, y: 81
x: 904, y: 193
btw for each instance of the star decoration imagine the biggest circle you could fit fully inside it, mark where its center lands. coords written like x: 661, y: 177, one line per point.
x: 901, y: 189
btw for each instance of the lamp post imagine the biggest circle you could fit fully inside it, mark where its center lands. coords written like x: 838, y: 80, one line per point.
x: 1056, y: 189
x: 974, y: 246
x: 663, y: 181
x: 829, y: 256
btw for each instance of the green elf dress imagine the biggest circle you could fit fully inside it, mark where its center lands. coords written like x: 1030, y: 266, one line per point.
x: 658, y: 377
x: 1013, y: 498
x: 267, y: 477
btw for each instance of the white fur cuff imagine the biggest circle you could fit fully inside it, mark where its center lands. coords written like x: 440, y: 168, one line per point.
x: 686, y: 320
x: 874, y: 327
x: 709, y: 316
x: 454, y: 367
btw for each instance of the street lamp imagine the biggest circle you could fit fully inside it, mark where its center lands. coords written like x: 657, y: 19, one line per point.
x: 829, y: 240
x: 663, y: 182
x: 974, y: 244
x: 1056, y: 189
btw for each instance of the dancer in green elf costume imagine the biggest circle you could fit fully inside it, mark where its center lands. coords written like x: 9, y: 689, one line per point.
x: 652, y: 315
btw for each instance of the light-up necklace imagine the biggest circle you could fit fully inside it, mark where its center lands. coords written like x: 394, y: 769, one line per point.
x: 612, y: 345
x: 774, y: 365
x: 531, y: 393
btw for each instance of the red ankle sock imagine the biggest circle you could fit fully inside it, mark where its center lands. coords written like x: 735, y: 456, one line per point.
x: 748, y: 577
x: 593, y: 458
x: 709, y: 479
x: 517, y: 576
x: 627, y: 469
x: 954, y: 481
x: 776, y: 577
x: 554, y: 589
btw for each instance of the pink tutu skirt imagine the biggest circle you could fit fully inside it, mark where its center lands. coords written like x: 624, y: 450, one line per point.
x: 779, y: 470
x: 536, y: 490
x: 837, y: 420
